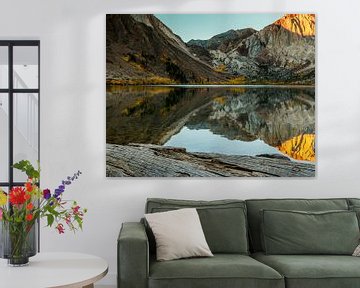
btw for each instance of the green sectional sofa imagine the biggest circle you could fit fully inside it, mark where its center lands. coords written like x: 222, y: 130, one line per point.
x: 238, y: 234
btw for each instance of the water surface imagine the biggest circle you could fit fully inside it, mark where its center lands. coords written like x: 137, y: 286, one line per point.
x: 234, y: 120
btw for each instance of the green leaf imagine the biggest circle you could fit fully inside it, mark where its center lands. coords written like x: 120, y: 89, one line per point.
x: 79, y: 221
x: 51, y: 210
x: 26, y: 167
x: 50, y: 219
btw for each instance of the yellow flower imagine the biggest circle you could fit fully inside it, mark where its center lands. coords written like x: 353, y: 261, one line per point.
x: 3, y: 198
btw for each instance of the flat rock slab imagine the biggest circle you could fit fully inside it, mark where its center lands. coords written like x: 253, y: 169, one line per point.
x: 146, y: 160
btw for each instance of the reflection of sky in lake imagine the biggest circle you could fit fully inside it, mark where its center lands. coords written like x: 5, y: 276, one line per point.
x: 203, y: 140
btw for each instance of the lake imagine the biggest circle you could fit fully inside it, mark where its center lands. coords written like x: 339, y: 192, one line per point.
x: 234, y: 120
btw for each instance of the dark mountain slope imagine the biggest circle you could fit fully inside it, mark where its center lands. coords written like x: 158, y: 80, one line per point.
x: 140, y: 49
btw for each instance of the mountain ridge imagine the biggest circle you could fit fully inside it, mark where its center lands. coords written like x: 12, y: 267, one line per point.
x: 302, y: 24
x: 143, y: 50
x: 281, y: 51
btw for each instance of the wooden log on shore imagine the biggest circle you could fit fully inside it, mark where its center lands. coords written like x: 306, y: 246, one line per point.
x: 146, y: 160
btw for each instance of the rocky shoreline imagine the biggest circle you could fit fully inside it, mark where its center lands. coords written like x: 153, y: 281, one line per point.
x: 147, y: 160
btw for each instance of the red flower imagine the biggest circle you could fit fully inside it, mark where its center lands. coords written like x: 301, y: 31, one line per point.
x: 68, y: 219
x: 29, y: 186
x: 27, y: 196
x: 29, y: 217
x: 29, y: 206
x: 17, y: 196
x: 75, y: 209
x: 60, y: 228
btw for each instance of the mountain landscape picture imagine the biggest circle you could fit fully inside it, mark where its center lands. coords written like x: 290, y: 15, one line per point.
x: 210, y: 95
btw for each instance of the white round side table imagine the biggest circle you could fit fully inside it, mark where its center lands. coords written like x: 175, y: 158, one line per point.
x: 50, y: 270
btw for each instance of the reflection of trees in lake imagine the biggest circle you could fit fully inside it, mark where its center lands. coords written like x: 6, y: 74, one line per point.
x: 146, y: 114
x: 174, y: 97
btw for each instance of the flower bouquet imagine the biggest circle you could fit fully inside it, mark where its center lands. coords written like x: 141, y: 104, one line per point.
x: 21, y: 208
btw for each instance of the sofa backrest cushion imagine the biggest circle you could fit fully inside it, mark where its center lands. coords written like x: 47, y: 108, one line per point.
x: 353, y: 202
x: 223, y: 221
x: 356, y: 209
x: 297, y: 232
x: 354, y: 205
x: 255, y: 206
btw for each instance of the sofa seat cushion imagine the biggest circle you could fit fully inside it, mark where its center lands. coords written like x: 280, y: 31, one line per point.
x: 222, y: 270
x: 313, y: 271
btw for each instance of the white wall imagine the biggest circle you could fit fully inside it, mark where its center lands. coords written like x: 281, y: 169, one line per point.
x: 72, y: 34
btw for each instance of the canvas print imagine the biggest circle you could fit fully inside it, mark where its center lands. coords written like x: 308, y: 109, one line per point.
x: 210, y: 95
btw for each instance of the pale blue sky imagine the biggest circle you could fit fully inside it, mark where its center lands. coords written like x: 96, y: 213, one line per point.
x: 203, y: 140
x: 204, y: 26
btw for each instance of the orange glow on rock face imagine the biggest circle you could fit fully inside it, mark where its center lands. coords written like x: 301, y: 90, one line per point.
x: 301, y: 147
x: 301, y: 24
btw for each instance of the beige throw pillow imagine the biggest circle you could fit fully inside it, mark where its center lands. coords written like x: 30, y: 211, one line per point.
x: 178, y: 234
x: 357, y: 251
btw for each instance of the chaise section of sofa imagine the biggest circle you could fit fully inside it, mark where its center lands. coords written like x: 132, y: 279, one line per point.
x: 315, y: 271
x: 310, y: 271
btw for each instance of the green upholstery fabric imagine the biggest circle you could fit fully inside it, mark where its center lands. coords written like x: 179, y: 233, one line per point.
x: 255, y: 206
x: 223, y: 221
x: 133, y: 256
x: 295, y: 232
x: 354, y: 205
x: 356, y: 209
x: 353, y: 202
x: 222, y: 270
x: 315, y: 271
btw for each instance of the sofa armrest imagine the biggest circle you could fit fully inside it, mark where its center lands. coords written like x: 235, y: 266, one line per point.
x: 133, y: 256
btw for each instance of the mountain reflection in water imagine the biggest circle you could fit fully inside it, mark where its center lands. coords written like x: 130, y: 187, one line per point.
x: 282, y: 118
x: 300, y: 147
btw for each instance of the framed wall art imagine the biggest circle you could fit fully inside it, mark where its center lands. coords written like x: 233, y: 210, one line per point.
x: 208, y: 95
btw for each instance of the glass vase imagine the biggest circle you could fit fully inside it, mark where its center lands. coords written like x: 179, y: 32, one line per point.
x: 18, y: 242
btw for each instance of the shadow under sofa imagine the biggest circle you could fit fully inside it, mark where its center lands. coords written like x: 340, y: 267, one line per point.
x: 232, y: 229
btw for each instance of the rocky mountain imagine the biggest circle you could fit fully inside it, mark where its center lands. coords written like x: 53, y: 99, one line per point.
x: 224, y: 41
x: 281, y: 52
x: 140, y: 49
x: 301, y: 24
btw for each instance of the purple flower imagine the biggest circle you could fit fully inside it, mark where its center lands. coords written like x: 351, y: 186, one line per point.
x: 46, y: 194
x: 58, y: 192
x: 64, y: 183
